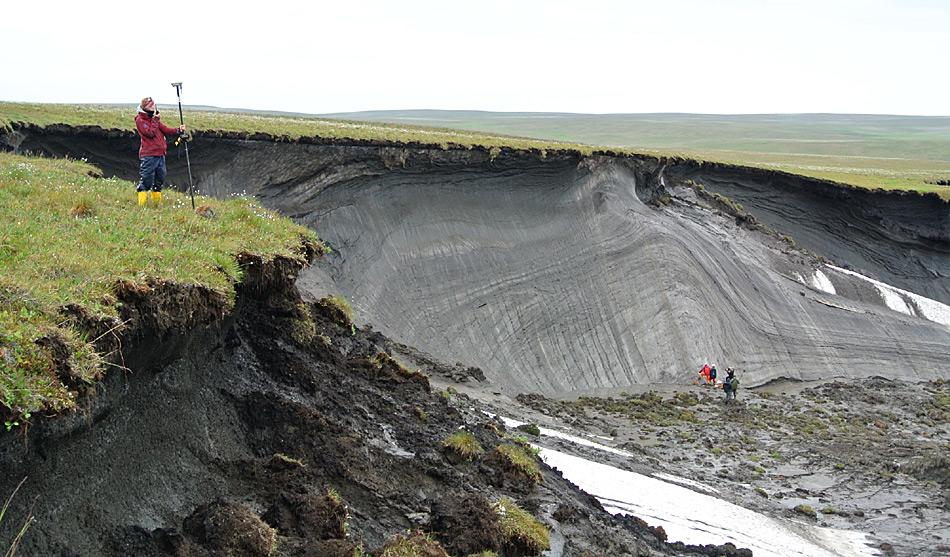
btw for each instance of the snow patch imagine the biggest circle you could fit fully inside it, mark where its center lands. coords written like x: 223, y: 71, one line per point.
x: 686, y: 482
x: 509, y: 422
x: 895, y: 298
x: 567, y: 437
x: 689, y: 516
x: 822, y: 282
x: 696, y: 518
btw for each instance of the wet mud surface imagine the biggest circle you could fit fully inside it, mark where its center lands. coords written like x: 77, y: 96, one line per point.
x: 868, y: 456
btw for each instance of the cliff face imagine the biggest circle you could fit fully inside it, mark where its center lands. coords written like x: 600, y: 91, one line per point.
x: 277, y: 429
x: 897, y: 237
x: 562, y: 273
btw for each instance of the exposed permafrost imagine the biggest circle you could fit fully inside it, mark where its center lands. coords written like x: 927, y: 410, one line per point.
x: 696, y: 518
x: 557, y: 273
x: 895, y: 299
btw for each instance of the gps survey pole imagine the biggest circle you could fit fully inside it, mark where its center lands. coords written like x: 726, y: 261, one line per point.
x: 181, y: 117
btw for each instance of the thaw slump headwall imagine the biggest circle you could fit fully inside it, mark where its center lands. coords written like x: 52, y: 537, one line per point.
x: 552, y: 274
x: 901, y: 239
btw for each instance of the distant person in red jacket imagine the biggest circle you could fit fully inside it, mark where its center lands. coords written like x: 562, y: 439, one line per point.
x: 152, y: 151
x: 704, y: 373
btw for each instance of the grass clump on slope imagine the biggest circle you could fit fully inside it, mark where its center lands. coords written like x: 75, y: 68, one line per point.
x: 68, y: 237
x: 522, y: 533
x: 413, y: 544
x: 462, y: 445
x: 520, y: 461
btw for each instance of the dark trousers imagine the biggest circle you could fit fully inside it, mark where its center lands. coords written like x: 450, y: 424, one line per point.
x: 151, y: 173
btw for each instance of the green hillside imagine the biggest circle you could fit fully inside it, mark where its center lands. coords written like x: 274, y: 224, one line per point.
x: 903, y: 152
x: 121, y: 117
x: 889, y: 152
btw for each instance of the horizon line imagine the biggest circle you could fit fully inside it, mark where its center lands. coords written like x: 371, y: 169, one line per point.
x: 482, y: 111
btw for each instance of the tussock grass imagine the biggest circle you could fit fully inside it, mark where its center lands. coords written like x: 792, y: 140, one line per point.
x: 413, y: 544
x: 521, y: 460
x: 67, y: 237
x: 339, y: 310
x: 521, y: 531
x: 806, y: 510
x: 530, y: 429
x: 464, y: 445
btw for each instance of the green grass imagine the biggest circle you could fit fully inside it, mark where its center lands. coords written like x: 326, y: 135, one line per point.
x: 413, y: 544
x: 866, y: 172
x: 869, y: 152
x: 121, y: 117
x: 341, y: 304
x: 806, y: 510
x: 521, y: 460
x: 520, y: 529
x: 51, y: 257
x: 463, y: 444
x: 889, y: 152
x: 530, y: 429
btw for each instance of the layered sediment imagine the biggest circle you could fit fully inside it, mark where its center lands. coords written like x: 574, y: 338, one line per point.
x: 559, y: 272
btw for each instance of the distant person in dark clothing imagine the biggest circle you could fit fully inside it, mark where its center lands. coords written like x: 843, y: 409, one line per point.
x: 731, y: 384
x: 712, y: 375
x: 152, y: 150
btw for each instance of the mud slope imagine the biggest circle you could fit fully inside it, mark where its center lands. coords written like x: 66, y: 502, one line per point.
x: 561, y: 273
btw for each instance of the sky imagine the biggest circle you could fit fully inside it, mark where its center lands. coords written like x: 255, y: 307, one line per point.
x: 591, y: 56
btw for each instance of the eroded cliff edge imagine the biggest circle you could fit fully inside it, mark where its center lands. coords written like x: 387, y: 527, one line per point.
x: 561, y: 272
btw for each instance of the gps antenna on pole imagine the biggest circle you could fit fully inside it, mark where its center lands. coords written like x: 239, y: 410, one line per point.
x: 181, y: 117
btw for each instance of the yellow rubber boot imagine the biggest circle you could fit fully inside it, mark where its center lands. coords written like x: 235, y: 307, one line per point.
x: 156, y: 197
x: 143, y: 197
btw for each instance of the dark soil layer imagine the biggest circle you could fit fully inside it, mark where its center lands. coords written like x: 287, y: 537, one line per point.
x: 862, y: 455
x: 279, y: 430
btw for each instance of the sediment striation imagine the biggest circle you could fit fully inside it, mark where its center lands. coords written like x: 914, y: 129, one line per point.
x: 560, y: 272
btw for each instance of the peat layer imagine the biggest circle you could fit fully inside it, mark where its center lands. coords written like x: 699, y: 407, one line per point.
x: 559, y: 272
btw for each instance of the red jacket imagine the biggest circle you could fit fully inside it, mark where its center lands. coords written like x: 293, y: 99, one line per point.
x: 153, y: 132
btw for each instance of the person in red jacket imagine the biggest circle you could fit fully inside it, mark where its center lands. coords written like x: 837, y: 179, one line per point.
x: 152, y: 150
x: 704, y: 373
